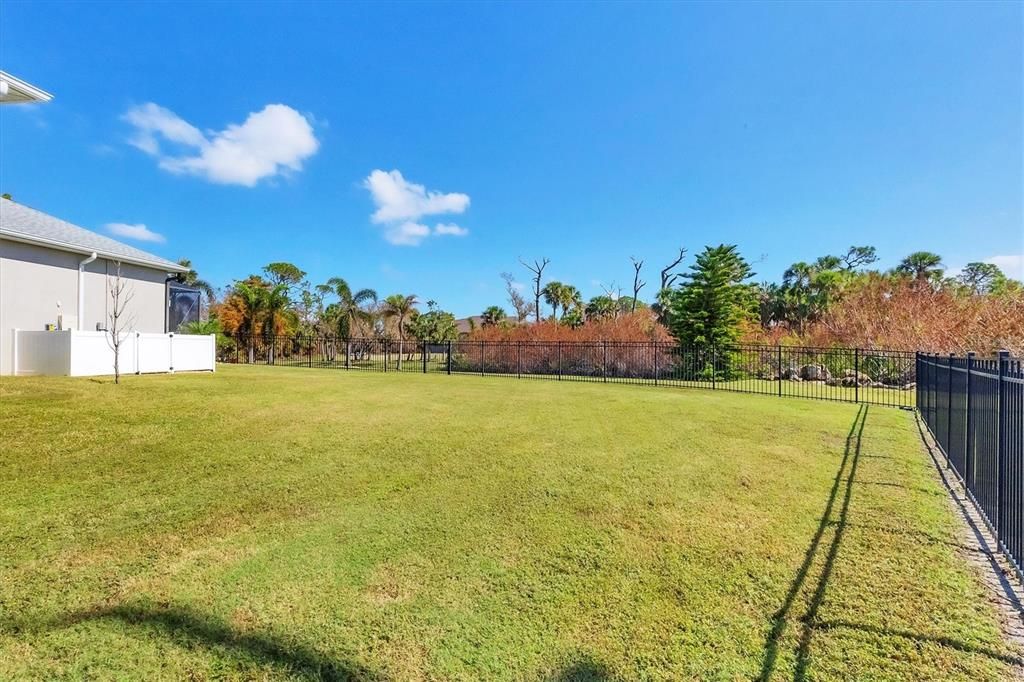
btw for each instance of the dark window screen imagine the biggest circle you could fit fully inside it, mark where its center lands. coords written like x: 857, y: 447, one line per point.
x: 182, y: 306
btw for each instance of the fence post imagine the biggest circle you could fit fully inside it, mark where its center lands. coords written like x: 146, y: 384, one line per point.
x: 968, y: 436
x: 654, y: 348
x: 919, y: 385
x: 559, y: 360
x: 714, y: 365
x: 348, y: 354
x: 481, y: 358
x: 519, y: 359
x: 949, y: 404
x: 449, y: 357
x: 856, y: 375
x: 916, y: 380
x: 424, y: 357
x: 1000, y: 523
x: 780, y: 369
x: 933, y: 390
x: 604, y: 361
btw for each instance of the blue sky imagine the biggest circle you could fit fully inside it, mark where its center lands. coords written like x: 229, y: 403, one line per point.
x: 247, y: 133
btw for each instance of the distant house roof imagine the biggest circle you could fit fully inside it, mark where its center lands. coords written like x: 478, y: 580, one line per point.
x: 16, y: 91
x: 23, y: 224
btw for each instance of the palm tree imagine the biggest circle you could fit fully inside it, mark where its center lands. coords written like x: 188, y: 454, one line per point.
x: 349, y: 308
x: 275, y: 309
x: 202, y: 327
x: 191, y: 278
x: 601, y: 307
x: 399, y: 306
x: 923, y: 266
x: 569, y: 298
x: 251, y: 298
x: 493, y: 316
x: 552, y: 293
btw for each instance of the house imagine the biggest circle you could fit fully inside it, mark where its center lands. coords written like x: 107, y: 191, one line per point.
x: 55, y: 275
x: 16, y: 91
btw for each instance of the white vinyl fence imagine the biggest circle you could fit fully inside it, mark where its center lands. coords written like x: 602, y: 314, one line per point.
x: 79, y: 354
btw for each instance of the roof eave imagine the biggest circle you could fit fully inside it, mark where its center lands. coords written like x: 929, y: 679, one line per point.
x: 29, y: 91
x: 74, y: 248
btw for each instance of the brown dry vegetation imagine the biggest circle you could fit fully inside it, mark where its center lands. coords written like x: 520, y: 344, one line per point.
x: 639, y: 326
x: 902, y: 315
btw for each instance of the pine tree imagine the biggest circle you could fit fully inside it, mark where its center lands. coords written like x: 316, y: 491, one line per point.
x: 709, y: 308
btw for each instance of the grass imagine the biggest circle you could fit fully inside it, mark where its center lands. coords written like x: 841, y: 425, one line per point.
x: 286, y: 522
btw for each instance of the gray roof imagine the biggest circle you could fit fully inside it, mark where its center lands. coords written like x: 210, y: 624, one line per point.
x: 24, y: 224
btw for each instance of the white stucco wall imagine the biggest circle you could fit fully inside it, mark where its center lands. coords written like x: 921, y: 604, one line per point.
x: 34, y: 278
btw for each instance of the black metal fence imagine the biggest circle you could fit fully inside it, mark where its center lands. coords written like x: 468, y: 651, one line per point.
x: 845, y: 374
x: 974, y: 408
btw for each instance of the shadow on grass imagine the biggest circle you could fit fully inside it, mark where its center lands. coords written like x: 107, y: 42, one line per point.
x: 919, y: 536
x: 917, y: 637
x: 809, y: 620
x: 913, y: 489
x: 583, y: 669
x: 191, y: 629
x: 781, y: 617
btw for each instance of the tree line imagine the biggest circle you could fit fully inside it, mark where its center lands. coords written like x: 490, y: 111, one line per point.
x: 836, y: 299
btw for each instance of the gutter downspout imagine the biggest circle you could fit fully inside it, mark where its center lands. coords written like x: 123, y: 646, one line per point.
x: 81, y: 290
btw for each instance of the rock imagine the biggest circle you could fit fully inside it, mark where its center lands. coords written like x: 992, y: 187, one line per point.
x: 860, y: 377
x: 814, y: 373
x: 910, y: 387
x: 795, y: 378
x: 876, y: 384
x: 790, y: 373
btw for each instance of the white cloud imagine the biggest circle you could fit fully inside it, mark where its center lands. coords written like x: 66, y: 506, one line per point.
x: 400, y: 204
x: 408, y: 233
x: 1012, y: 265
x: 137, y: 231
x: 272, y: 141
x: 450, y: 229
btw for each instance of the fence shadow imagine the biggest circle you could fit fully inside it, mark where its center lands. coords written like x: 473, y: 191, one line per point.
x: 920, y: 638
x: 1010, y: 592
x: 809, y: 620
x: 189, y: 628
x: 582, y: 669
x: 779, y: 620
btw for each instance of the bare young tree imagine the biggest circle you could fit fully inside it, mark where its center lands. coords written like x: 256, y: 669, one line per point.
x: 611, y: 291
x: 668, y: 277
x: 119, y: 324
x: 538, y: 271
x: 614, y: 293
x: 522, y: 307
x: 638, y: 283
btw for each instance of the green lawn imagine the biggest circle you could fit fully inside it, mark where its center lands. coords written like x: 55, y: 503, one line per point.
x: 282, y: 522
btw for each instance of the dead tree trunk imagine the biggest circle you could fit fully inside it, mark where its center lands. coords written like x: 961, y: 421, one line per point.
x: 538, y: 271
x: 638, y: 284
